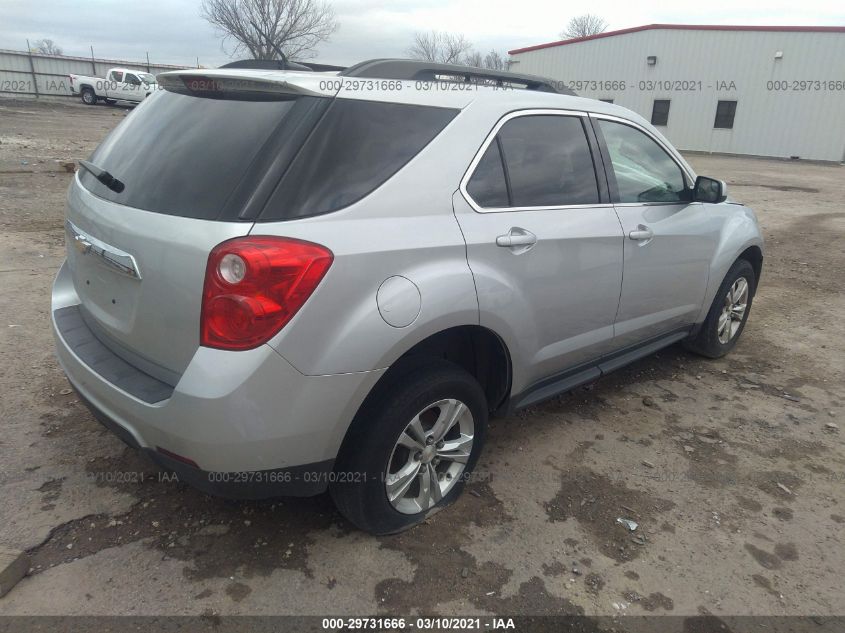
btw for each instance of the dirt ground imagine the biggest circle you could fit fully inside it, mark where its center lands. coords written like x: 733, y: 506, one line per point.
x: 734, y: 469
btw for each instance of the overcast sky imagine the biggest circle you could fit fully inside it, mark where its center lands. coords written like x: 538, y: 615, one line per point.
x: 172, y: 31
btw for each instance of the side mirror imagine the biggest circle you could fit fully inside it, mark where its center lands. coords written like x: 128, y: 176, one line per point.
x: 710, y: 190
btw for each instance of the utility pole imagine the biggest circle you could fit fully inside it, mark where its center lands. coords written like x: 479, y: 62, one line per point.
x: 32, y: 69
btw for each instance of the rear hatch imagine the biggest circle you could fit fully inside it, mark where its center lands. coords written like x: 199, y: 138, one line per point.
x: 197, y: 162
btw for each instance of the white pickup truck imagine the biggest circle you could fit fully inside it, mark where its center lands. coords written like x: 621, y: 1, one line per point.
x: 120, y: 84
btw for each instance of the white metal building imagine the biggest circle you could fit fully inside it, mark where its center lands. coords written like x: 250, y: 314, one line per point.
x: 763, y: 91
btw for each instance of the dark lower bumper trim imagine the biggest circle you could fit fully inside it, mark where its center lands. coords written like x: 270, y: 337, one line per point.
x: 100, y: 359
x: 295, y: 481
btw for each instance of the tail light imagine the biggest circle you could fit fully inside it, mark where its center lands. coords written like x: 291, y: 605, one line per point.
x: 254, y: 286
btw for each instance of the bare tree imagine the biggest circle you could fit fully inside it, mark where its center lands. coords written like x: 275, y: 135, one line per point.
x: 46, y: 47
x: 495, y: 61
x: 492, y: 60
x: 272, y: 29
x: 441, y: 47
x: 474, y: 59
x: 584, y: 25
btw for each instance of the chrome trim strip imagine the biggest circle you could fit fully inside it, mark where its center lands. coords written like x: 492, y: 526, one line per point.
x: 116, y: 259
x: 489, y: 139
x: 677, y: 203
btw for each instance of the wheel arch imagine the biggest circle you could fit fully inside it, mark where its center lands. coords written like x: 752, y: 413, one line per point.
x: 83, y: 88
x: 739, y: 238
x: 474, y: 348
x: 754, y: 256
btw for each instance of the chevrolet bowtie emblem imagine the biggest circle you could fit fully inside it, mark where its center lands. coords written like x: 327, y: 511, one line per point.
x: 112, y: 257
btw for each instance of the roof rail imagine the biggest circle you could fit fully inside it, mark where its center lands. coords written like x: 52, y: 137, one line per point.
x: 433, y: 71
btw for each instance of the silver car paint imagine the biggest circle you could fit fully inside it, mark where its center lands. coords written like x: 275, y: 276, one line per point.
x: 289, y: 402
x: 340, y: 328
x: 737, y: 230
x: 666, y: 276
x: 154, y: 321
x: 231, y: 411
x: 554, y: 304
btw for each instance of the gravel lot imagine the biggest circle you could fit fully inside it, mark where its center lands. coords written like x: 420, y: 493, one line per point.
x: 734, y: 469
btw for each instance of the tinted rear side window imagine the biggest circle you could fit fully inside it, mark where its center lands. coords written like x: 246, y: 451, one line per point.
x: 184, y: 155
x: 549, y: 161
x: 354, y: 149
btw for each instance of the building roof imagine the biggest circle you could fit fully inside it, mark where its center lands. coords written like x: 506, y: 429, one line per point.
x: 684, y: 27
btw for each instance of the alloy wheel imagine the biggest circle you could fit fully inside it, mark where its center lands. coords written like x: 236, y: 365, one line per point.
x: 733, y: 311
x: 429, y: 456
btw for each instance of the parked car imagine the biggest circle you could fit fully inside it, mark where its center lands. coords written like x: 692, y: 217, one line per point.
x: 282, y: 282
x: 120, y: 84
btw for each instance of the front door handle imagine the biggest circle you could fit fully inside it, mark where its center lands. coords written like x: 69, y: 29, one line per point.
x: 517, y: 237
x: 643, y: 233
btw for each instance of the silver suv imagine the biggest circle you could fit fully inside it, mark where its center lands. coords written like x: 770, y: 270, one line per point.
x: 281, y: 282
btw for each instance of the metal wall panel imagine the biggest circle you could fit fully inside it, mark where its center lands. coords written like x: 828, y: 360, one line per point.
x: 696, y: 69
x: 51, y: 72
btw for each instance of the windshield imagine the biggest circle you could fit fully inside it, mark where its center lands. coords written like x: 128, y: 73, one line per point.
x: 147, y: 78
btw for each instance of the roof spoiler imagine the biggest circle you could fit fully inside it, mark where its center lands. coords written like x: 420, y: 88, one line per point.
x: 247, y: 85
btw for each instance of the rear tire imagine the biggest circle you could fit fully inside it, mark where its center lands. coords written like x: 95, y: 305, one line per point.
x: 728, y: 313
x: 399, y: 462
x: 89, y: 97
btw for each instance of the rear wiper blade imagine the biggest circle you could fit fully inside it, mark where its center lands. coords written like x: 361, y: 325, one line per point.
x: 103, y: 176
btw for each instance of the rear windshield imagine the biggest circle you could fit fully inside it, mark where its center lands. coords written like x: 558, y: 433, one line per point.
x: 221, y: 159
x: 354, y: 149
x: 184, y: 155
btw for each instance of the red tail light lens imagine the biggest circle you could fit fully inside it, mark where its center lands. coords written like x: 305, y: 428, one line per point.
x: 254, y: 286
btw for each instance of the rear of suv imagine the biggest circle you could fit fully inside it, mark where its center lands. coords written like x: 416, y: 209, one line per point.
x: 281, y: 282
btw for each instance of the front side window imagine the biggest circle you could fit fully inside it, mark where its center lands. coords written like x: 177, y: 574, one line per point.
x: 548, y: 164
x: 132, y: 79
x: 644, y: 171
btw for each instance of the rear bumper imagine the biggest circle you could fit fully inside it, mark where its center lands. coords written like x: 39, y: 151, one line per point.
x: 253, y: 425
x: 297, y: 481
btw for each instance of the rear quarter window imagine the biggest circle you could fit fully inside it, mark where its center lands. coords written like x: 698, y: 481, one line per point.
x: 356, y: 147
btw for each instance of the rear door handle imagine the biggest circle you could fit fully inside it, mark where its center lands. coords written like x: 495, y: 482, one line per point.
x: 643, y: 233
x: 517, y: 237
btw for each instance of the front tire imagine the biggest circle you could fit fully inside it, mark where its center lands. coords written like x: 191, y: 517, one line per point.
x: 89, y: 97
x: 728, y: 313
x: 411, y: 449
